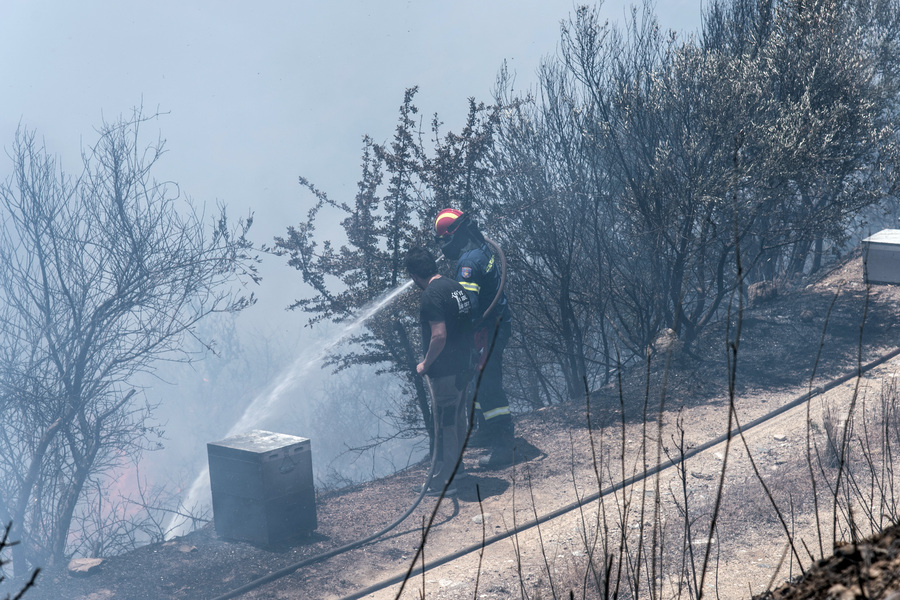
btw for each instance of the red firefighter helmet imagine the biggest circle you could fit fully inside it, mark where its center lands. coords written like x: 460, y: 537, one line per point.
x: 445, y: 222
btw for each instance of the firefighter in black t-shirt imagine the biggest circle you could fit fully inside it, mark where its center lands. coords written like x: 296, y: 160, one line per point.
x: 446, y: 321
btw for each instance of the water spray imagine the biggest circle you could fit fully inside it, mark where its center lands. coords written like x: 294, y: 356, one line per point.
x: 347, y: 547
x: 263, y: 404
x: 470, y: 399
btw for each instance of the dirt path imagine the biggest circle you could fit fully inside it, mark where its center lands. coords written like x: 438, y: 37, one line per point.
x: 743, y: 561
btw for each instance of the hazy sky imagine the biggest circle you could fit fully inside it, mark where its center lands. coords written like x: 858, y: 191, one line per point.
x: 259, y: 93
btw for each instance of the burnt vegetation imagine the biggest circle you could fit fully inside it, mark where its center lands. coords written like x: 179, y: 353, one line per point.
x: 648, y: 181
x: 102, y: 274
x: 646, y: 184
x: 639, y: 191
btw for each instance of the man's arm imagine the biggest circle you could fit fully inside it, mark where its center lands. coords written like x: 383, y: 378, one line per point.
x: 435, y: 346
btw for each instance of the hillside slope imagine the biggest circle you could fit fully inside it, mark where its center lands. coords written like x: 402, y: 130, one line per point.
x: 561, y: 459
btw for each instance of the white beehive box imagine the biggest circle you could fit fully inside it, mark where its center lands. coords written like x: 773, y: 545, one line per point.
x: 262, y: 487
x: 881, y: 257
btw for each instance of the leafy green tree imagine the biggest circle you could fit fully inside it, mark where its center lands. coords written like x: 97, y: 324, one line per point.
x: 461, y: 175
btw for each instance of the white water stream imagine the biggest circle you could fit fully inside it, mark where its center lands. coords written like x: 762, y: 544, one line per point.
x: 264, y: 405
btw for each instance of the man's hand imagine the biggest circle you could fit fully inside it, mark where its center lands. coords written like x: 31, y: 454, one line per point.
x: 420, y: 368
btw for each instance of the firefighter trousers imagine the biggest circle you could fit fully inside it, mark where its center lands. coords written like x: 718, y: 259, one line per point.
x: 491, y: 404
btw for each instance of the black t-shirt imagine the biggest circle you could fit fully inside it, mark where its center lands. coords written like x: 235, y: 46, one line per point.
x: 445, y: 300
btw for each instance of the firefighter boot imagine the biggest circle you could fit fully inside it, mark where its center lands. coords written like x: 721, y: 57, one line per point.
x: 480, y: 436
x: 503, y: 450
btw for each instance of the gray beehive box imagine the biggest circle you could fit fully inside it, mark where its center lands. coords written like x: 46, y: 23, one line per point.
x: 881, y: 257
x: 262, y: 487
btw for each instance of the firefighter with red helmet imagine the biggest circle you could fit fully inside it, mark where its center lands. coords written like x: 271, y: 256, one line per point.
x: 478, y: 271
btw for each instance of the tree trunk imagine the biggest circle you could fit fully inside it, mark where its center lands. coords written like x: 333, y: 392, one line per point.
x: 20, y: 562
x: 817, y: 255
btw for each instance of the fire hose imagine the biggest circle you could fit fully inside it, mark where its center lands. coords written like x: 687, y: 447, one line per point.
x: 634, y: 479
x: 284, y: 571
x: 646, y: 473
x: 502, y: 285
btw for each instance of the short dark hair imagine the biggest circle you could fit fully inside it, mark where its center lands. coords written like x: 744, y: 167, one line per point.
x: 420, y: 262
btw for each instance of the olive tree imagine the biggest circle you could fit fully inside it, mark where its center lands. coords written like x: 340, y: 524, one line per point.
x: 817, y: 120
x: 654, y: 160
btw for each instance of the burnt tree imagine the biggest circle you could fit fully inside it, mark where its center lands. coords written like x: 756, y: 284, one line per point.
x: 101, y: 275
